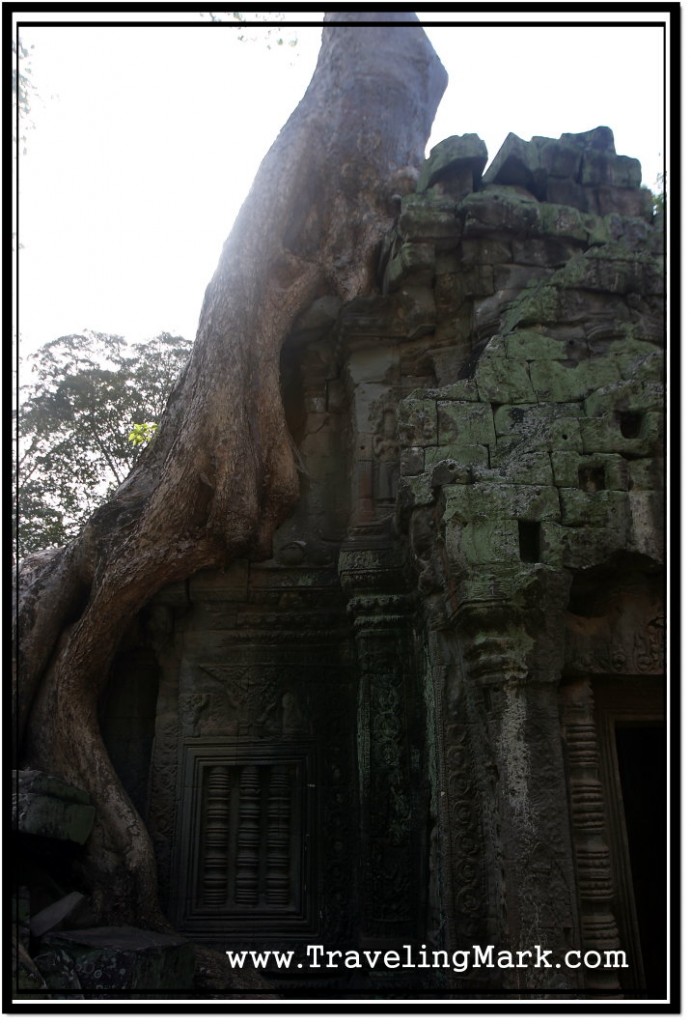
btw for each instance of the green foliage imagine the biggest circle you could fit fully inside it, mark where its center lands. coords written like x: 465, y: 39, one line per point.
x: 659, y: 196
x: 88, y: 392
x: 252, y: 27
x: 23, y: 90
x: 141, y: 433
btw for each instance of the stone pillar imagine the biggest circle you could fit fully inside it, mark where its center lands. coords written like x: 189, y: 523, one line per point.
x: 460, y: 880
x: 387, y: 748
x: 517, y: 767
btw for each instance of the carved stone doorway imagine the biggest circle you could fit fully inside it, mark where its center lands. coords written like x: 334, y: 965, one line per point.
x: 633, y: 744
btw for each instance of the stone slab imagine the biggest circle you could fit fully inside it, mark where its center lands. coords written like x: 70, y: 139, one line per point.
x: 57, y: 915
x: 451, y: 158
x: 608, y: 509
x: 561, y: 381
x: 465, y: 423
x: 525, y: 468
x: 490, y: 500
x: 574, y: 470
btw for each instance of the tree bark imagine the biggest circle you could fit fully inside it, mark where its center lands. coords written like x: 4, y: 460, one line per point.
x: 221, y: 475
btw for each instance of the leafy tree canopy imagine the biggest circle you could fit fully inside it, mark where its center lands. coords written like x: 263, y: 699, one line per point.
x: 93, y: 402
x: 252, y: 27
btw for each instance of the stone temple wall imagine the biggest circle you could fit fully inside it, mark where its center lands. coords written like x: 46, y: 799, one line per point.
x: 408, y: 725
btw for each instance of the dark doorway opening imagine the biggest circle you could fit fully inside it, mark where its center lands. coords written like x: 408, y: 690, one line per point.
x: 642, y: 760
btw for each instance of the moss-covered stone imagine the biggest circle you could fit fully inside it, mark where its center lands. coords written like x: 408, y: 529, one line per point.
x: 629, y: 202
x: 412, y: 461
x: 604, y: 434
x: 451, y: 291
x: 424, y: 219
x: 537, y: 428
x: 481, y: 542
x: 587, y: 546
x: 538, y: 306
x: 600, y: 508
x: 489, y: 500
x: 417, y: 421
x: 645, y: 474
x: 625, y: 396
x: 506, y: 583
x: 498, y: 210
x: 504, y: 380
x: 448, y: 471
x: 546, y: 251
x: 565, y: 192
x: 633, y: 232
x: 602, y: 471
x: 560, y: 382
x: 465, y: 422
x: 563, y: 222
x: 645, y: 367
x: 531, y: 345
x: 413, y: 264
x: 610, y: 268
x: 455, y: 157
x: 557, y: 157
x: 600, y: 139
x: 521, y: 468
x: 514, y: 164
x: 475, y: 455
x: 600, y: 168
x: 533, y: 164
x: 461, y: 390
x: 478, y: 251
x: 415, y: 492
x: 552, y: 543
x: 450, y: 360
x: 647, y: 514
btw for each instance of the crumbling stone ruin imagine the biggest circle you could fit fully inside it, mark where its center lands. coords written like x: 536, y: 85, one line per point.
x: 435, y: 715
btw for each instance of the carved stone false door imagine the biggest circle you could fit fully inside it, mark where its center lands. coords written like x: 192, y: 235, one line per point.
x: 246, y: 862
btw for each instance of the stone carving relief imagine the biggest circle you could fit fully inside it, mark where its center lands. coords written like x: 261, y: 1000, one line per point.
x: 252, y: 701
x: 626, y: 638
x: 385, y: 448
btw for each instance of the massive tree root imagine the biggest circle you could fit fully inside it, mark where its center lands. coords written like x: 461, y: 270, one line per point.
x: 220, y: 474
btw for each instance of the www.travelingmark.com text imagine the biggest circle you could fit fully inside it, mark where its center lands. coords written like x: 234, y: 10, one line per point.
x: 458, y: 960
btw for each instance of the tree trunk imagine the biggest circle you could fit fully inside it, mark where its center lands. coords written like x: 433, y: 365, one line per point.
x: 220, y: 475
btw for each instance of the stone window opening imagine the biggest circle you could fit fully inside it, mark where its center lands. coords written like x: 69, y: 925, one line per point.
x: 529, y: 540
x: 630, y: 423
x: 591, y: 478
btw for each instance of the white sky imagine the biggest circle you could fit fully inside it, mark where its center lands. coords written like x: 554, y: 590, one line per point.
x: 146, y: 141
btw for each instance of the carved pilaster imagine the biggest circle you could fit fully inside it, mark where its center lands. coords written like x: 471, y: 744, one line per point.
x: 459, y: 832
x: 384, y: 764
x: 278, y: 838
x: 593, y: 863
x: 381, y: 615
x: 215, y: 870
x: 508, y: 717
x: 247, y: 875
x: 494, y: 671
